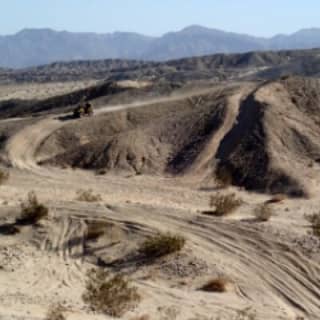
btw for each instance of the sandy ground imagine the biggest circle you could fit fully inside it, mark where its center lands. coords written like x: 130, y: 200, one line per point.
x: 273, y: 267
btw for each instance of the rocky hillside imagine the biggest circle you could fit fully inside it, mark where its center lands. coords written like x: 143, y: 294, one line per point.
x: 251, y: 65
x: 263, y: 137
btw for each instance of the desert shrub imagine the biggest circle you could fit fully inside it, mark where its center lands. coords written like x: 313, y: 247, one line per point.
x: 101, y: 172
x: 314, y: 219
x: 9, y: 229
x: 246, y: 314
x: 113, y: 296
x: 216, y: 285
x: 277, y: 198
x: 96, y: 229
x: 88, y: 196
x: 56, y: 312
x: 32, y: 211
x: 143, y: 317
x: 224, y: 204
x: 4, y: 176
x: 263, y: 212
x: 223, y: 178
x: 162, y: 245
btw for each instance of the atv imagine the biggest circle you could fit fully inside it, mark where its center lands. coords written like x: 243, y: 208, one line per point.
x: 86, y: 111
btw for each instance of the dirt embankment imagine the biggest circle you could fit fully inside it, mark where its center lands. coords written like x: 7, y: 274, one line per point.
x: 265, y: 138
x: 160, y: 138
x: 274, y: 145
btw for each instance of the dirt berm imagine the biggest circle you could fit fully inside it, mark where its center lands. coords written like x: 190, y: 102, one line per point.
x: 274, y: 145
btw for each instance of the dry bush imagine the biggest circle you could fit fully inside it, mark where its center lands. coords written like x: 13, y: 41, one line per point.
x: 314, y: 219
x: 110, y: 295
x: 143, y: 317
x: 277, y: 199
x: 32, y: 211
x: 162, y: 245
x: 263, y: 212
x: 4, y: 176
x: 223, y: 178
x: 224, y: 204
x: 246, y: 314
x: 56, y: 312
x: 96, y: 229
x: 88, y: 196
x: 101, y: 172
x: 216, y: 285
x: 9, y: 229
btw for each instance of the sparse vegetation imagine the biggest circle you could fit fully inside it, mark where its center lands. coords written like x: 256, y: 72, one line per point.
x: 216, y: 285
x: 314, y: 219
x: 223, y: 178
x: 9, y: 229
x: 143, y: 317
x: 224, y: 204
x: 110, y: 295
x: 88, y: 196
x: 101, y: 172
x: 246, y: 314
x: 162, y: 245
x: 32, y: 211
x: 56, y: 312
x: 4, y: 176
x: 277, y: 198
x: 263, y: 212
x: 96, y: 229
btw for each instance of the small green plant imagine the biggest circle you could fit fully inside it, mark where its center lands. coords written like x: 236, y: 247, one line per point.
x: 216, y: 285
x: 88, y: 196
x: 56, y: 312
x: 113, y: 296
x: 162, y: 245
x: 224, y: 204
x: 32, y: 211
x: 263, y: 212
x: 4, y: 176
x: 314, y: 219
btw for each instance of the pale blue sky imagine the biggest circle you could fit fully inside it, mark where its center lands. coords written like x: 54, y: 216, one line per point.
x: 155, y: 17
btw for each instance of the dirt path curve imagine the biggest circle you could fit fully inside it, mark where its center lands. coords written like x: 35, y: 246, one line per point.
x: 21, y: 149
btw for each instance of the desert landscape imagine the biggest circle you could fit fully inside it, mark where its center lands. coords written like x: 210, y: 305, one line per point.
x: 192, y: 193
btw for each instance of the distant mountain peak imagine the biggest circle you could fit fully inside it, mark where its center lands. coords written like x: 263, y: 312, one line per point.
x: 36, y: 30
x: 31, y: 47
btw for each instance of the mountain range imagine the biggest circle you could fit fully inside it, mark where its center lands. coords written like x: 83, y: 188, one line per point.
x: 31, y: 47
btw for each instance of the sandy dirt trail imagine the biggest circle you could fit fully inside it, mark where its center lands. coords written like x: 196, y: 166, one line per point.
x: 274, y: 280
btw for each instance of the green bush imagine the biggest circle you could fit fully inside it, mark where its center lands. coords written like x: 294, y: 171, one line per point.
x: 162, y: 245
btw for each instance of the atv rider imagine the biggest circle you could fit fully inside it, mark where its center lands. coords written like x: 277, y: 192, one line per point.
x: 88, y: 110
x: 79, y: 111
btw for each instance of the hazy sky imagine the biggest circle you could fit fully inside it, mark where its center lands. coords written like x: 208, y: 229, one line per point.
x: 155, y: 17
